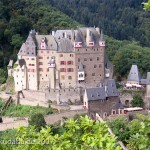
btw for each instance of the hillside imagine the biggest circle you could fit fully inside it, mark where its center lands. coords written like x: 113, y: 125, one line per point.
x: 125, y: 53
x: 17, y: 18
x: 123, y: 20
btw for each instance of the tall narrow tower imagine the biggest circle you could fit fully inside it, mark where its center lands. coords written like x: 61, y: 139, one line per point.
x: 102, y: 41
x: 52, y: 71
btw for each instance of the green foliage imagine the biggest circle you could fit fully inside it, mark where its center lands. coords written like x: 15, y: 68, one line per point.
x: 147, y: 5
x: 134, y: 134
x: 37, y: 120
x: 8, y: 134
x: 3, y: 76
x: 84, y: 134
x: 125, y: 53
x: 137, y: 101
x: 22, y: 111
x: 119, y: 128
x: 17, y: 18
x: 123, y: 20
x: 140, y: 133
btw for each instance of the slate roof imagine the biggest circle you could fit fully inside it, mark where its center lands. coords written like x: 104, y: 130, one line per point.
x: 65, y: 45
x: 96, y: 93
x: 81, y: 67
x: 59, y: 34
x: 82, y: 34
x: 101, y: 93
x: 147, y: 80
x: 111, y: 88
x: 50, y: 41
x: 134, y: 74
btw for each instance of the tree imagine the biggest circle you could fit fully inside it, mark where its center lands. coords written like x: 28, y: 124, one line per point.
x: 3, y: 76
x: 147, y: 5
x: 37, y: 120
x: 120, y: 128
x: 137, y: 101
x: 82, y: 134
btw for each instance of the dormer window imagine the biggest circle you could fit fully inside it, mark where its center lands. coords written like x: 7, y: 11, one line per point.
x: 43, y: 43
x: 81, y: 75
x: 92, y: 95
x: 98, y: 94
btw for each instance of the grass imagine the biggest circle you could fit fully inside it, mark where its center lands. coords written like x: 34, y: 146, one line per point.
x: 23, y: 111
x: 8, y: 134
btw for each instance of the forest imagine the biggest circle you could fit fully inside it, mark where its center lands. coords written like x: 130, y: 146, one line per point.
x: 125, y: 23
x: 122, y: 20
x: 17, y: 18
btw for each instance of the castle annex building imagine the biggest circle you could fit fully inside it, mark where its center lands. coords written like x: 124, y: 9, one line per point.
x: 64, y: 59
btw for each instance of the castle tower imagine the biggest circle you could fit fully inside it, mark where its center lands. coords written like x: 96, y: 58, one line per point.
x: 52, y: 71
x: 102, y: 41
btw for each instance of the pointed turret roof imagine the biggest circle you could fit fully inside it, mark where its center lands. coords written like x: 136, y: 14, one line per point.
x: 102, y: 36
x: 134, y: 74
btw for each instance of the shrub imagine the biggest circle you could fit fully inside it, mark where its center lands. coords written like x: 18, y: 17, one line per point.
x: 37, y: 120
x: 137, y: 101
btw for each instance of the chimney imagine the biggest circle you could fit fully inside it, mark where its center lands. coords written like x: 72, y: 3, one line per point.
x: 65, y: 34
x: 98, y: 30
x: 53, y: 33
x: 87, y: 36
x: 73, y: 36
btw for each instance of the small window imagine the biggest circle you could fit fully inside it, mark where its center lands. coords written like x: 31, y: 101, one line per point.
x: 70, y: 63
x: 90, y: 59
x: 98, y: 94
x: 62, y: 69
x: 62, y: 62
x: 70, y: 69
x: 78, y: 59
x: 93, y: 74
x: 84, y: 66
x: 70, y: 77
x: 95, y: 66
x: 85, y: 59
x: 63, y: 77
x: 81, y: 75
x: 61, y: 55
x: 97, y: 58
x: 40, y: 63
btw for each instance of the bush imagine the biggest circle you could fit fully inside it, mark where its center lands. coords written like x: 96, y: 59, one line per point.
x: 3, y: 76
x: 37, y: 120
x: 137, y: 101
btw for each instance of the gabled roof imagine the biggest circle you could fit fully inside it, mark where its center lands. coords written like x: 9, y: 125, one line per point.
x: 96, y: 93
x: 100, y: 93
x: 111, y: 88
x: 50, y: 41
x: 134, y: 74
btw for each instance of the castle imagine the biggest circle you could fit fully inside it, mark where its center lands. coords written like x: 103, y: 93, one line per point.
x: 64, y: 59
